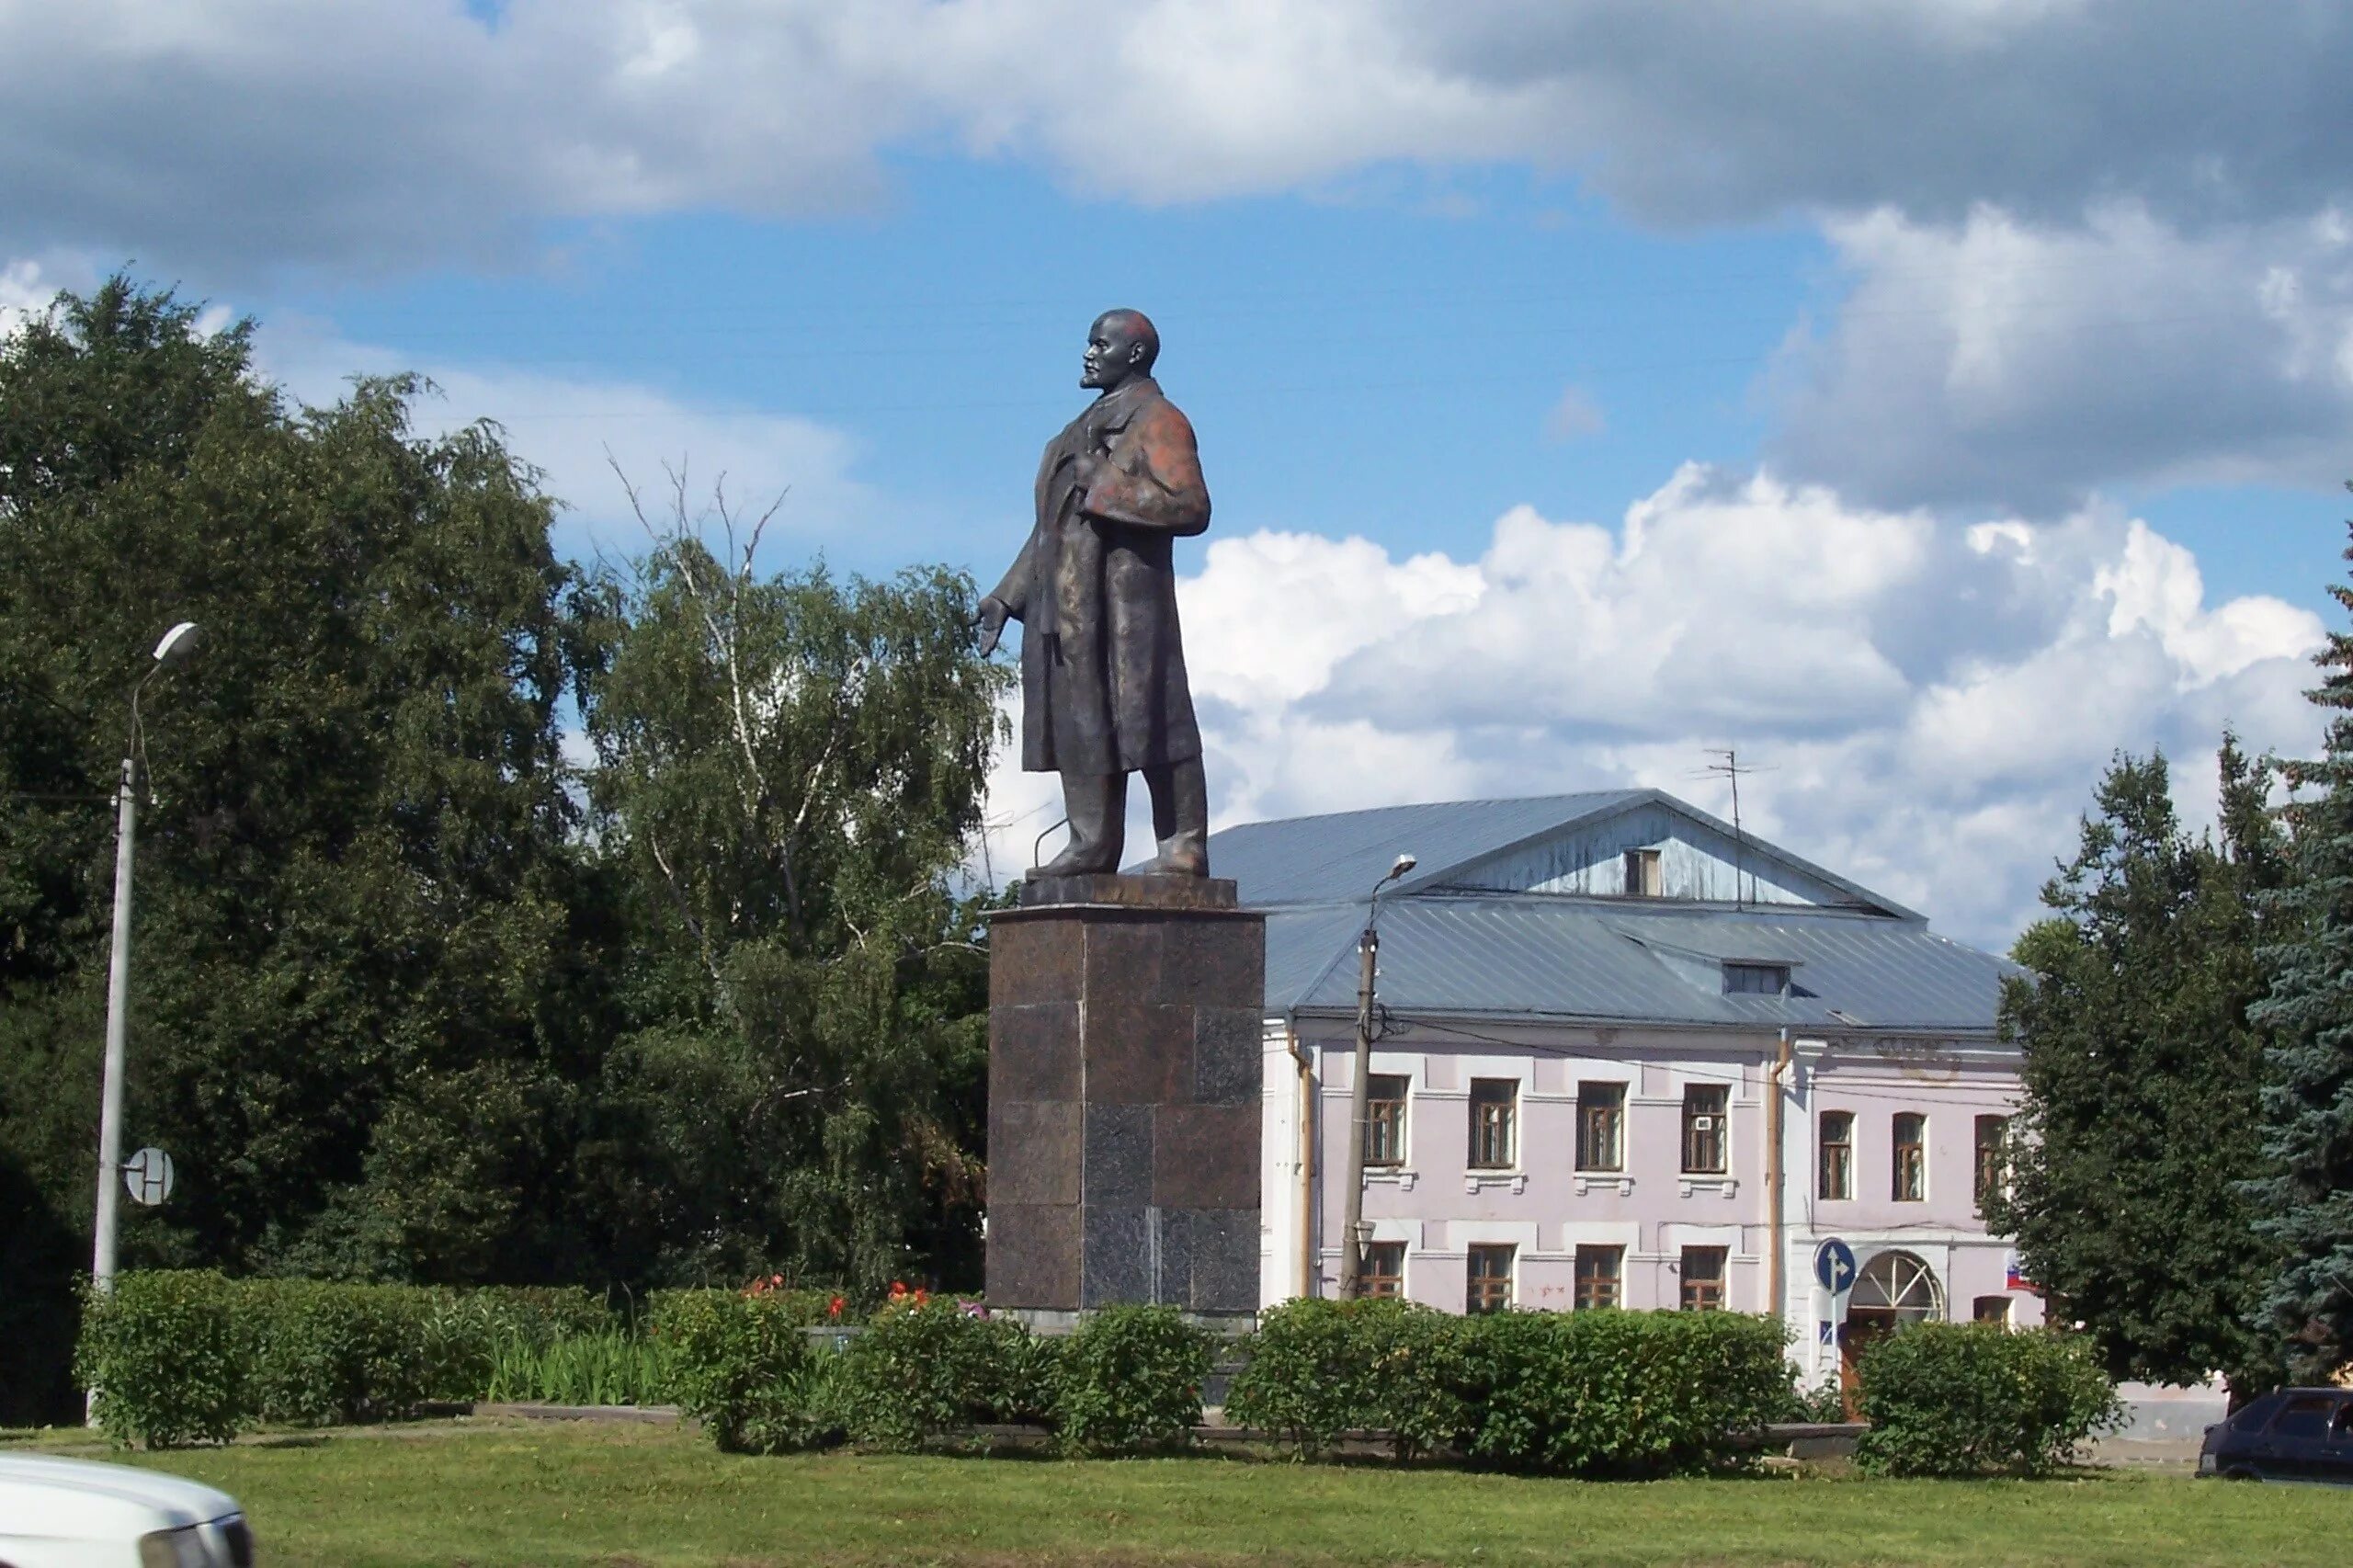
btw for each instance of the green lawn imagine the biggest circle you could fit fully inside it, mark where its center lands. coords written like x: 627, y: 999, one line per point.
x: 495, y: 1496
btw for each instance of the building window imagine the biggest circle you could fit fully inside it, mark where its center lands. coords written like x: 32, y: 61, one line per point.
x: 1643, y: 880
x: 1490, y: 1279
x: 1991, y: 1309
x: 1837, y: 1179
x: 1755, y: 979
x: 1385, y: 1268
x: 1910, y: 1157
x: 1601, y: 1126
x: 1703, y: 1279
x: 1493, y: 1101
x: 1703, y: 1129
x: 1597, y: 1273
x: 1993, y: 1161
x: 1384, y: 1110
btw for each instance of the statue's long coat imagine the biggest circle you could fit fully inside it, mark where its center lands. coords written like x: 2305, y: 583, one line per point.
x: 1102, y: 661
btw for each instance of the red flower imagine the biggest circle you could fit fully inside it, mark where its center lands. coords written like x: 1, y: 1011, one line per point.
x: 834, y: 1307
x: 923, y: 1297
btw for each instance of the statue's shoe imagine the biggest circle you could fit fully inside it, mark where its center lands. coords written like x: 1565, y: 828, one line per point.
x: 1177, y: 863
x: 1078, y: 860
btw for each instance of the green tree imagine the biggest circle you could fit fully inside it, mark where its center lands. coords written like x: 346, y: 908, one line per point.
x: 790, y: 770
x: 2307, y: 1197
x: 2139, y: 1123
x: 364, y: 979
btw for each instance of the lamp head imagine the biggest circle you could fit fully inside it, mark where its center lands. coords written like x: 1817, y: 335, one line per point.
x: 176, y: 644
x: 1404, y: 864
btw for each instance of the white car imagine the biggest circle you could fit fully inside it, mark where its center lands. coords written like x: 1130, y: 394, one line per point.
x: 74, y: 1514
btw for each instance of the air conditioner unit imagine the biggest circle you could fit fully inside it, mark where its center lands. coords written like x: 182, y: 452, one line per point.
x: 1703, y: 1124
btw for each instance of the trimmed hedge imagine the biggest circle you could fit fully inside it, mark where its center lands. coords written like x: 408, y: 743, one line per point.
x: 1973, y: 1399
x: 1586, y: 1393
x: 1318, y: 1369
x: 1130, y: 1379
x: 745, y: 1367
x: 182, y: 1357
x: 169, y: 1355
x: 919, y: 1372
x: 1614, y: 1392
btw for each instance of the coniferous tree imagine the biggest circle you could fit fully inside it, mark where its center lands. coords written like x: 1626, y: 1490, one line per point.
x: 2138, y: 1126
x: 2307, y: 1199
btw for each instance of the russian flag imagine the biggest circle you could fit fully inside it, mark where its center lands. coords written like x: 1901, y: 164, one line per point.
x: 2015, y: 1279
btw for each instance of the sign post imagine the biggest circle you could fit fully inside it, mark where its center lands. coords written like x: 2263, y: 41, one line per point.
x: 1834, y: 1271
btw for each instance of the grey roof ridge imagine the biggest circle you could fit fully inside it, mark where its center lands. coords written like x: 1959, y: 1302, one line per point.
x: 1634, y: 799
x: 1627, y: 799
x: 1420, y: 805
x: 1651, y: 908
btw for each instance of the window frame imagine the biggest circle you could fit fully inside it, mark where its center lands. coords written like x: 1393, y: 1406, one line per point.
x: 1908, y: 1157
x: 1692, y: 1287
x: 1779, y: 973
x: 1609, y: 1099
x: 1824, y: 1144
x: 1994, y: 1177
x: 1378, y: 1282
x: 1644, y: 873
x: 1718, y: 1134
x: 1509, y: 1120
x: 1488, y: 1292
x: 1613, y: 1279
x: 1397, y: 1125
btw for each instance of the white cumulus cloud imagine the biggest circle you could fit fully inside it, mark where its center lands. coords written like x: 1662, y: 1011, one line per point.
x: 1947, y: 768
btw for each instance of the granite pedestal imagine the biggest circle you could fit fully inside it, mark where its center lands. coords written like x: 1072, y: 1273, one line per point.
x: 1124, y: 1039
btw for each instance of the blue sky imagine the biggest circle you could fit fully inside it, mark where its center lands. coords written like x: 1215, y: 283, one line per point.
x: 1928, y: 402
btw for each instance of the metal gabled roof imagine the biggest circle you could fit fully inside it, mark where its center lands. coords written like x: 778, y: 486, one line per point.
x: 1533, y: 956
x: 1321, y: 859
x: 1324, y: 859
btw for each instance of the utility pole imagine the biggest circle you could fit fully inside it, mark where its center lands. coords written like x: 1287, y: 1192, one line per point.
x: 172, y: 648
x: 125, y: 820
x: 1353, y: 1228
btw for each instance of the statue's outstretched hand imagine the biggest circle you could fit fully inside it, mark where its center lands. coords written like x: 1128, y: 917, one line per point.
x: 993, y: 618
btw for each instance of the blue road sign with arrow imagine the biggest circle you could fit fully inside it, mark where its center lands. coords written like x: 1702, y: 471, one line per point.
x: 1834, y: 1264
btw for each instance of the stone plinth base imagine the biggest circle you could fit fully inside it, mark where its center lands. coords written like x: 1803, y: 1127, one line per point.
x: 1124, y: 1029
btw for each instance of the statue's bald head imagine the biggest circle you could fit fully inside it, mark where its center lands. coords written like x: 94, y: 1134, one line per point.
x: 1120, y: 346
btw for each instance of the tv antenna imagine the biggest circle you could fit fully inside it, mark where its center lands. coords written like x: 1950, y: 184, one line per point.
x: 1729, y: 767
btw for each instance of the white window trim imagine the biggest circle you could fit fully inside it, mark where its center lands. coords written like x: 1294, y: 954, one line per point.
x: 1708, y: 1180
x: 1586, y: 1180
x: 1515, y: 1175
x: 1928, y: 1147
x: 1674, y: 1236
x: 1575, y: 1233
x: 1854, y: 1149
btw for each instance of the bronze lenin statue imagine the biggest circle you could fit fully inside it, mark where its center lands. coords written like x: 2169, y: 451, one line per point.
x: 1103, y: 684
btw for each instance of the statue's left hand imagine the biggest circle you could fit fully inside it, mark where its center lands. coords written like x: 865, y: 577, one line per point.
x: 993, y: 618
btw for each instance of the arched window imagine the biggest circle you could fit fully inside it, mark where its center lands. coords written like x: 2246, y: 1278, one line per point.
x: 1897, y: 1288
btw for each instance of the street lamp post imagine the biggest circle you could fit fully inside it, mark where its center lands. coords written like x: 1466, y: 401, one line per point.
x: 174, y: 646
x: 1359, y: 1100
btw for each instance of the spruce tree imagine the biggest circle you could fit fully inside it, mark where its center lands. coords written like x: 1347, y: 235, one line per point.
x: 2307, y: 1199
x: 2138, y: 1129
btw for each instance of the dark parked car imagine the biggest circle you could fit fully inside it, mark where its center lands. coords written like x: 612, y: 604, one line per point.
x: 2294, y: 1435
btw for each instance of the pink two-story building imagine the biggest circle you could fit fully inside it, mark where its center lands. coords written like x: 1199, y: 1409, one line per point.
x: 1628, y: 1057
